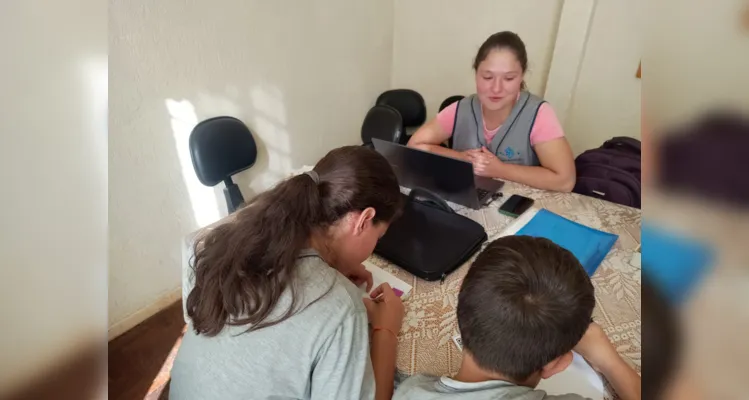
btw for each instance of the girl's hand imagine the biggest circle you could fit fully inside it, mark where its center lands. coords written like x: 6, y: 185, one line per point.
x: 470, y: 155
x: 359, y: 275
x: 385, y: 309
x: 486, y: 164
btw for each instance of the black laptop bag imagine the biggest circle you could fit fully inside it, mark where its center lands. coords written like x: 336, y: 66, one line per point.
x: 430, y: 240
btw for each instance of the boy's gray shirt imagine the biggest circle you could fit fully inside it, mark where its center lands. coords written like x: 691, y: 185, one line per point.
x: 425, y: 387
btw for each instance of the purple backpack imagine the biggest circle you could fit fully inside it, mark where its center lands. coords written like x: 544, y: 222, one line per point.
x: 611, y: 172
x: 707, y: 158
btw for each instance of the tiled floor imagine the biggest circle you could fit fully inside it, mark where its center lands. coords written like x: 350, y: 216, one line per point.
x: 141, y: 359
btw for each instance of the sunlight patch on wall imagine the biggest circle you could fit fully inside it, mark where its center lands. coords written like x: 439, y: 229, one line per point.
x: 202, y: 198
x: 95, y: 74
x: 268, y: 101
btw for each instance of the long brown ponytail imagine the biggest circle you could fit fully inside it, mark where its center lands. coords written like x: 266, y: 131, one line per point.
x: 242, y: 267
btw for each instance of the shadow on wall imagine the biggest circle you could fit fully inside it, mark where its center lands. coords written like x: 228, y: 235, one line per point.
x: 195, y: 61
x: 267, y: 122
x: 265, y: 109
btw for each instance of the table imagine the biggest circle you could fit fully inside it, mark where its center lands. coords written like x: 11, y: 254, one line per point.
x: 425, y: 341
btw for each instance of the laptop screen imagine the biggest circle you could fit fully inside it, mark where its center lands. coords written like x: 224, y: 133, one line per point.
x: 450, y: 178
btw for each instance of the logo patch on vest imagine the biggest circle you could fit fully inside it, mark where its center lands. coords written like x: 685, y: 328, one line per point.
x: 510, y: 153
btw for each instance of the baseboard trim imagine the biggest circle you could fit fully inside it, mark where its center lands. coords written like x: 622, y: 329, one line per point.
x: 129, y: 322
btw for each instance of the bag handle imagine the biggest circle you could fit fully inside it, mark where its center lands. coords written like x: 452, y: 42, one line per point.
x: 623, y: 143
x: 430, y: 198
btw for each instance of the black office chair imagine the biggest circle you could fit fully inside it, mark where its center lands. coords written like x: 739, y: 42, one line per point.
x: 450, y: 100
x: 382, y: 122
x: 410, y: 104
x: 221, y: 147
x: 445, y: 103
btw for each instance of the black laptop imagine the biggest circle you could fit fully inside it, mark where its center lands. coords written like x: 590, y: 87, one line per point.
x: 450, y: 178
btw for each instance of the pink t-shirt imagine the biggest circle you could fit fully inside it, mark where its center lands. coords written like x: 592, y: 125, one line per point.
x: 545, y: 128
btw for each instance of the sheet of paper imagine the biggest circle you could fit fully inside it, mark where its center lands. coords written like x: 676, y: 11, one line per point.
x: 519, y: 222
x: 380, y: 276
x: 579, y: 378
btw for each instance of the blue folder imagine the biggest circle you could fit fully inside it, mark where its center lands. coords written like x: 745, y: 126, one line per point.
x: 589, y: 245
x: 676, y: 264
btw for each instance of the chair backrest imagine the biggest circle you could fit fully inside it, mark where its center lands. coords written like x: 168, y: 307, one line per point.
x: 445, y: 103
x: 409, y: 104
x: 450, y: 100
x: 383, y: 122
x: 220, y: 147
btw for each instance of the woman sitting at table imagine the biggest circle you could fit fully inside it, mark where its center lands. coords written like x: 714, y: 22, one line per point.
x: 503, y: 130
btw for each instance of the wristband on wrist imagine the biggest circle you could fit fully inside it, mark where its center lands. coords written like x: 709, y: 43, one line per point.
x: 380, y: 328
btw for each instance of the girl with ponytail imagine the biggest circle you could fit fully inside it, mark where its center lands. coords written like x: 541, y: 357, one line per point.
x: 275, y: 311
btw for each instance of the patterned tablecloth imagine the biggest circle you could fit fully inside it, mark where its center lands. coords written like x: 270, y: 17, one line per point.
x: 425, y: 342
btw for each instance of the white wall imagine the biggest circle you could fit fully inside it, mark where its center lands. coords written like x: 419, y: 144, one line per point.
x: 435, y: 42
x: 606, y: 100
x: 688, y: 70
x: 53, y: 169
x: 301, y: 75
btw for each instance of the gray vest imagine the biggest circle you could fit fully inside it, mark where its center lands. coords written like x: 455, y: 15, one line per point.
x: 512, y: 143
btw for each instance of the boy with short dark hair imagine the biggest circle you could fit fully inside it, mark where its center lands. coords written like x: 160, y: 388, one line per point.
x: 523, y: 306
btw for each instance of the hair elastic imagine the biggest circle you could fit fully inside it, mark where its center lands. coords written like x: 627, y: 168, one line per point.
x: 315, y: 177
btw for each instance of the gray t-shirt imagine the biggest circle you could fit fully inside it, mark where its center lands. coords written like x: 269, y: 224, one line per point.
x: 424, y: 387
x: 321, y: 352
